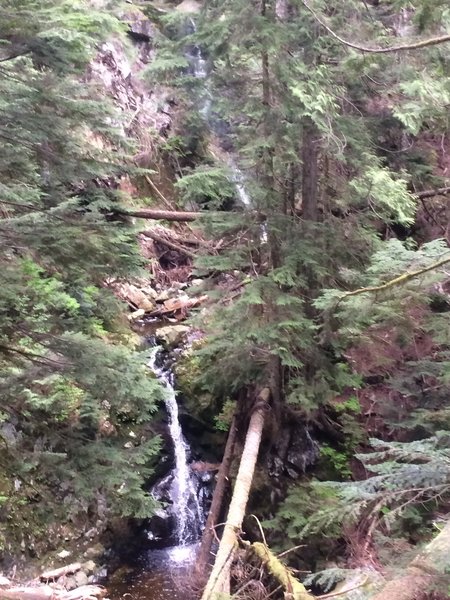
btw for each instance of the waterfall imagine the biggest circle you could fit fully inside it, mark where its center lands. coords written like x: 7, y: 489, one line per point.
x: 197, y: 59
x: 200, y: 71
x: 186, y: 507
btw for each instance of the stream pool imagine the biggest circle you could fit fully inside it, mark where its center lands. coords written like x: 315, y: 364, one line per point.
x: 157, y: 575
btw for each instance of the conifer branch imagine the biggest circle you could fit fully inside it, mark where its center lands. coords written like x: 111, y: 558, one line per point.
x: 396, y: 281
x: 413, y: 46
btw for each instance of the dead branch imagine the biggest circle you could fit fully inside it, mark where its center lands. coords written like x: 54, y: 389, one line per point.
x: 166, y: 242
x: 443, y: 191
x: 393, y: 282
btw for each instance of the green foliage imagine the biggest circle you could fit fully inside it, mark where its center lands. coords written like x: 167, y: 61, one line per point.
x: 72, y: 389
x: 210, y: 186
x: 385, y: 193
x: 403, y: 476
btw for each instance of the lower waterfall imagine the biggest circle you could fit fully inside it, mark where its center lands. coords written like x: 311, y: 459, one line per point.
x: 186, y: 507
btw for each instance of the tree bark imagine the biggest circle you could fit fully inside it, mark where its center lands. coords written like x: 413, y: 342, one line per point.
x: 219, y: 578
x: 203, y: 556
x: 310, y: 169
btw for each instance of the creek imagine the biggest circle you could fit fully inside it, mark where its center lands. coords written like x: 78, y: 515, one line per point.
x: 157, y: 573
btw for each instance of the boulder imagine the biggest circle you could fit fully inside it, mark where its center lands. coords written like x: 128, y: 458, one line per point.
x: 80, y: 579
x: 172, y: 335
x: 94, y: 551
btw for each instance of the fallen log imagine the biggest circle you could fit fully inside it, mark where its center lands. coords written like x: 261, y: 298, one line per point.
x: 160, y: 215
x: 29, y: 593
x: 85, y: 592
x: 443, y: 191
x: 174, y: 305
x: 45, y: 592
x: 166, y: 242
x: 60, y: 572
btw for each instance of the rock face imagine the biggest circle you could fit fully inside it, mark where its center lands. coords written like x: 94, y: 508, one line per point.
x: 294, y: 452
x: 119, y: 73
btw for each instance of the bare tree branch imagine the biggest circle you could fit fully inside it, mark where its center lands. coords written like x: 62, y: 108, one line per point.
x: 413, y: 46
x: 443, y: 191
x: 396, y: 281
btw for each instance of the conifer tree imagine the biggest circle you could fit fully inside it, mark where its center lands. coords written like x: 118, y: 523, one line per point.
x: 72, y: 386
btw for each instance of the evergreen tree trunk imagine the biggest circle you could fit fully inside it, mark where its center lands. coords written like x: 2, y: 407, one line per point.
x: 202, y: 562
x: 310, y: 169
x: 219, y: 578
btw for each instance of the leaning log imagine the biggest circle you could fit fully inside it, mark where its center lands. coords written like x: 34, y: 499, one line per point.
x: 203, y: 556
x: 424, y: 572
x: 219, y: 579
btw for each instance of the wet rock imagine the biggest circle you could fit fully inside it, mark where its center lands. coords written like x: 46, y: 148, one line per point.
x: 80, y: 579
x: 140, y: 28
x: 160, y: 526
x: 91, y: 533
x: 294, y: 452
x: 9, y: 434
x: 172, y: 335
x: 303, y: 452
x: 189, y: 6
x: 70, y: 583
x: 94, y: 551
x: 89, y: 567
x: 99, y: 576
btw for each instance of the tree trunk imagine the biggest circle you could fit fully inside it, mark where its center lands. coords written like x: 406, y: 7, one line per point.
x: 203, y: 556
x: 219, y: 578
x: 310, y: 171
x: 432, y: 564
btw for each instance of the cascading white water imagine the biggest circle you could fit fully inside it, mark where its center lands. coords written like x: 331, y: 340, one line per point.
x: 200, y: 71
x: 198, y: 60
x: 186, y: 507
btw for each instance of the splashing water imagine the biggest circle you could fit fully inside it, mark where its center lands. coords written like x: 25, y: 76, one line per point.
x: 186, y: 507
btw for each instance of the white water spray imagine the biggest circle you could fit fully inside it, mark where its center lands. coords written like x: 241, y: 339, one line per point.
x: 186, y: 507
